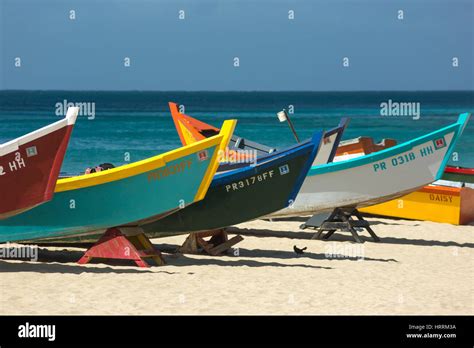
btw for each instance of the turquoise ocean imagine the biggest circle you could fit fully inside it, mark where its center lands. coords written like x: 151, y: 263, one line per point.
x: 140, y: 124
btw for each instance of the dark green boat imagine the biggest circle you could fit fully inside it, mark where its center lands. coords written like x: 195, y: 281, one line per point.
x: 459, y: 174
x: 245, y: 193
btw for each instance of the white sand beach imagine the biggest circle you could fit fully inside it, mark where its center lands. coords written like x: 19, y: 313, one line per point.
x: 417, y: 268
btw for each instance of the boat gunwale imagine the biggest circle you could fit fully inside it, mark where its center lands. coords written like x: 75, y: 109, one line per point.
x: 14, y: 144
x: 442, y: 190
x: 136, y: 168
x: 267, y: 161
x: 179, y: 117
x: 460, y: 170
x: 456, y: 127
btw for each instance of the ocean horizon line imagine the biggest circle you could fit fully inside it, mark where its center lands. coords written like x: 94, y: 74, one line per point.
x: 237, y: 91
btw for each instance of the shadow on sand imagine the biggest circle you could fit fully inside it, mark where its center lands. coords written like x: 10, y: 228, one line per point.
x: 346, y: 237
x: 307, y: 234
x: 64, y: 261
x: 276, y: 254
x: 289, y: 219
x: 183, y: 260
x: 308, y: 255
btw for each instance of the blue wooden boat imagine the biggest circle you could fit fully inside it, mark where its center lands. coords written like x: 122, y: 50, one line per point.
x: 124, y: 196
x: 244, y: 194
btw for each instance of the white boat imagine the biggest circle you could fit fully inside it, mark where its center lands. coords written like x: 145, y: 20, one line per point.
x: 377, y: 177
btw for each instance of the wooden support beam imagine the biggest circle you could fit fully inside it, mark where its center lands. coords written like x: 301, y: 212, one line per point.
x: 216, y: 245
x: 226, y: 245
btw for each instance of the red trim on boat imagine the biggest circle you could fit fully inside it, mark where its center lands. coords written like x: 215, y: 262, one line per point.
x: 459, y: 170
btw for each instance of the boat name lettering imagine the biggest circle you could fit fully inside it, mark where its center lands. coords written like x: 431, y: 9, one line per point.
x: 440, y: 198
x: 169, y: 170
x: 249, y: 181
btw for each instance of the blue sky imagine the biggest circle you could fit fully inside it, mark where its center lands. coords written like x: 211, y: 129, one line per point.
x: 275, y: 53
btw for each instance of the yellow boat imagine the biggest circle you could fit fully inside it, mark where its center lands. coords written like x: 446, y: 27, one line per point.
x: 454, y: 205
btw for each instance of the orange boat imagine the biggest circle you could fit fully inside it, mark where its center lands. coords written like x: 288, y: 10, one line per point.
x: 361, y: 146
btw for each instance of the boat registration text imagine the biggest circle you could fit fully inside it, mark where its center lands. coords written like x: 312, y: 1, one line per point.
x: 402, y: 159
x: 12, y: 166
x: 250, y: 181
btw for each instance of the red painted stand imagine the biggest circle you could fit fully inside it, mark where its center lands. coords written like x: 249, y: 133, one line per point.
x: 115, y: 245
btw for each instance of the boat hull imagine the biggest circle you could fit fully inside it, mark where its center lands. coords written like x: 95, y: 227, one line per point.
x: 377, y: 177
x: 453, y: 205
x: 465, y: 175
x: 29, y: 169
x: 117, y: 203
x: 124, y: 196
x: 242, y: 195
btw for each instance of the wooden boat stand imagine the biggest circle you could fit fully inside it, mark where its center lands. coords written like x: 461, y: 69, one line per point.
x: 124, y: 243
x: 217, y: 245
x: 340, y: 219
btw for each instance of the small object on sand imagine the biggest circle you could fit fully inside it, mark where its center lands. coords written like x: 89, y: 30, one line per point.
x: 298, y: 250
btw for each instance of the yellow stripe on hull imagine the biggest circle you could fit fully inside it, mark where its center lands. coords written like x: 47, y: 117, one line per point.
x: 226, y: 132
x: 431, y: 203
x: 188, y: 136
x: 86, y: 180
